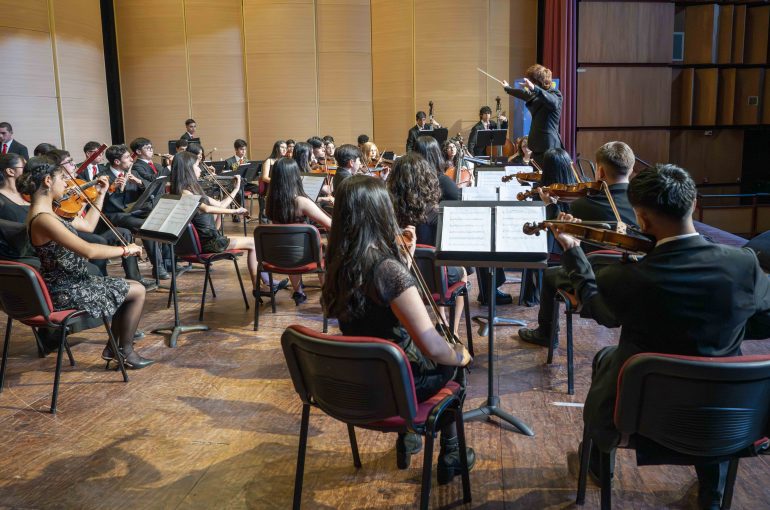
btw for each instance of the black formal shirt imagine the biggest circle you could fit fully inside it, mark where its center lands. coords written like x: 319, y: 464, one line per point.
x: 545, y: 108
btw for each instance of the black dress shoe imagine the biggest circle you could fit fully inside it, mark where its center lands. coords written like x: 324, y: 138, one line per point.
x: 501, y: 298
x: 148, y: 284
x: 280, y: 285
x: 136, y: 362
x: 160, y: 274
x: 299, y: 298
x: 407, y: 445
x: 536, y: 337
x: 139, y: 334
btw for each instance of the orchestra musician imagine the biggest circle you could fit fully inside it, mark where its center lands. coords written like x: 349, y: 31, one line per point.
x: 361, y: 140
x: 288, y: 203
x: 414, y: 132
x: 348, y: 158
x: 233, y: 162
x: 428, y: 148
x: 144, y: 167
x: 329, y: 146
x: 91, y: 171
x: 687, y: 296
x: 8, y: 144
x: 43, y: 148
x: 319, y: 150
x: 370, y: 290
x: 303, y: 155
x: 370, y: 154
x: 614, y: 162
x: 190, y: 126
x: 414, y: 188
x: 280, y: 149
x: 485, y: 123
x: 451, y: 151
x: 63, y: 258
x: 543, y: 101
x: 290, y: 148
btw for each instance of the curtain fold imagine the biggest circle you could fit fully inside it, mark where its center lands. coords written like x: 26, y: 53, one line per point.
x: 560, y: 56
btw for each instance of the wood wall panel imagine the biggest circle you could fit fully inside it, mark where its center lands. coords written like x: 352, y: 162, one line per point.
x: 705, y: 100
x: 29, y: 54
x: 624, y: 96
x: 726, y: 97
x: 217, y: 89
x: 635, y: 32
x: 725, y: 45
x: 80, y: 51
x: 29, y: 14
x: 705, y: 156
x: 757, y: 24
x: 766, y: 101
x: 700, y: 42
x: 748, y: 84
x: 281, y: 66
x: 650, y: 145
x: 153, y: 69
x: 682, y: 95
x: 739, y: 33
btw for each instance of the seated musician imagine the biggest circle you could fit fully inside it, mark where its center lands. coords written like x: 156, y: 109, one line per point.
x: 428, y: 148
x: 329, y: 146
x: 280, y: 149
x: 63, y: 258
x: 348, y: 158
x: 142, y: 152
x: 185, y: 173
x: 614, y: 161
x: 451, y: 151
x: 523, y: 155
x: 362, y: 248
x: 190, y: 126
x: 370, y: 154
x: 288, y: 203
x: 43, y: 148
x: 290, y: 148
x: 687, y: 296
x: 303, y: 155
x: 414, y: 132
x: 86, y: 230
x: 181, y: 145
x: 485, y: 123
x: 319, y: 150
x: 239, y: 158
x: 414, y: 188
x: 91, y: 171
x: 361, y: 140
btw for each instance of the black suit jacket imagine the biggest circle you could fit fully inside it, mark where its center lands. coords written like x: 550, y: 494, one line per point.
x: 17, y: 148
x: 82, y: 174
x: 473, y: 136
x: 687, y: 296
x: 545, y: 107
x: 186, y: 136
x: 339, y: 176
x: 118, y: 201
x: 144, y: 171
x: 415, y: 133
x: 596, y: 207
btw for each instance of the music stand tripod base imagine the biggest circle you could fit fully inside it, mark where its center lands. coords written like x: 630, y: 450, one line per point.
x: 497, y: 321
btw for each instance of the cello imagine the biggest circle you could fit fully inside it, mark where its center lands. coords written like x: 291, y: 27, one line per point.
x: 463, y: 177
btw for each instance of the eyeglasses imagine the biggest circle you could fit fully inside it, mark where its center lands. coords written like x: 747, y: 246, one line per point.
x: 147, y: 147
x: 68, y: 162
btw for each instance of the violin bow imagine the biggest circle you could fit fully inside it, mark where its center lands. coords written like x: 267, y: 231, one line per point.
x: 213, y: 178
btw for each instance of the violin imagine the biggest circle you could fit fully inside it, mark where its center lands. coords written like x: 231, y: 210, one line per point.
x: 565, y: 192
x: 601, y: 237
x: 77, y: 194
x: 524, y: 176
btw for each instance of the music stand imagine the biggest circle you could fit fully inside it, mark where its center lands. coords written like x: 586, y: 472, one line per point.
x: 492, y: 259
x: 155, y: 189
x: 491, y: 138
x: 219, y: 166
x: 440, y: 134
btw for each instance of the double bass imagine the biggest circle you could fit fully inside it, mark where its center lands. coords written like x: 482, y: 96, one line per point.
x: 507, y: 149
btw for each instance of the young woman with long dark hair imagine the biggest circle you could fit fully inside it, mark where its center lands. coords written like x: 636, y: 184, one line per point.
x: 370, y: 290
x: 279, y: 151
x: 428, y: 148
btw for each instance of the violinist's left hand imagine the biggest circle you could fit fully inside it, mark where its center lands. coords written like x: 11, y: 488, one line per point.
x: 566, y: 241
x: 411, y: 238
x: 104, y: 184
x: 545, y: 196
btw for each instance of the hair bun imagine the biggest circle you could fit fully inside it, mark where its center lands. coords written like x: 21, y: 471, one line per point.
x: 25, y: 184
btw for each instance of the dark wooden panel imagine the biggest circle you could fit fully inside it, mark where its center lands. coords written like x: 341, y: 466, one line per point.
x: 725, y: 46
x: 766, y: 101
x: 682, y: 91
x: 705, y: 98
x: 726, y: 97
x: 739, y: 33
x: 700, y: 39
x: 748, y: 85
x: 624, y: 96
x: 714, y: 157
x: 650, y: 145
x: 625, y: 32
x: 757, y: 22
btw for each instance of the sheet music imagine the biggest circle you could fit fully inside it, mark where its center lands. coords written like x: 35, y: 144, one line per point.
x: 509, y: 236
x: 486, y: 193
x: 509, y: 191
x: 467, y: 229
x: 171, y: 215
x: 312, y: 185
x: 489, y: 178
x: 517, y: 169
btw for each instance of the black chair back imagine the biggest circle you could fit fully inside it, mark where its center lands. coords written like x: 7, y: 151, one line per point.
x: 357, y: 380
x: 189, y: 243
x: 288, y: 246
x: 23, y: 293
x: 434, y: 276
x: 707, y: 407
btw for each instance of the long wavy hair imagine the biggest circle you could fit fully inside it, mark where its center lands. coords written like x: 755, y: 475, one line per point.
x: 302, y: 153
x: 414, y: 189
x: 428, y: 148
x: 285, y: 187
x: 183, y: 174
x: 276, y: 149
x: 364, y: 231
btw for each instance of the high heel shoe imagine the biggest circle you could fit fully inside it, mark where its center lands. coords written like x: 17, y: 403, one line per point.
x: 136, y: 362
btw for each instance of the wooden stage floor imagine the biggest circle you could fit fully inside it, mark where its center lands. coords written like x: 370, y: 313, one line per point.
x: 214, y: 424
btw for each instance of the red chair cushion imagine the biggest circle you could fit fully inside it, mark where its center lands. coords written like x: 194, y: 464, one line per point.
x: 209, y: 256
x: 39, y: 321
x: 423, y: 409
x: 307, y: 268
x: 451, y: 292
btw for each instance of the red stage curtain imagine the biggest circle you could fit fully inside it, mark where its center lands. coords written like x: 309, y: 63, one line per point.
x: 560, y: 56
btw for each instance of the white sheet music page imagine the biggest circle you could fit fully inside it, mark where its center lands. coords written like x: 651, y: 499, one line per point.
x: 509, y: 191
x: 509, y: 236
x: 486, y: 193
x: 312, y: 185
x: 489, y: 178
x: 170, y: 216
x: 467, y: 229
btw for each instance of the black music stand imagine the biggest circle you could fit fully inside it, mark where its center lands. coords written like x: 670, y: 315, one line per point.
x: 155, y: 189
x: 440, y: 134
x: 491, y: 138
x: 492, y: 260
x: 165, y: 225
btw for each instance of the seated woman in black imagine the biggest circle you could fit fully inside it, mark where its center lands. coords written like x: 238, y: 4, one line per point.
x: 428, y: 148
x: 288, y: 203
x: 413, y: 185
x: 184, y: 181
x: 370, y: 290
x: 13, y: 207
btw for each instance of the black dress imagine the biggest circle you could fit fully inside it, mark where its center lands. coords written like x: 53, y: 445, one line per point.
x: 11, y: 211
x: 71, y: 286
x: 212, y: 241
x: 389, y: 279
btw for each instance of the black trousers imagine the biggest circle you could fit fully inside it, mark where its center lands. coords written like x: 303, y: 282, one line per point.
x: 130, y: 264
x: 133, y: 224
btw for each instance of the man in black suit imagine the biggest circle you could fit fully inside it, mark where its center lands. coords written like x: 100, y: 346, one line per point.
x: 687, y: 296
x: 91, y: 171
x: 144, y: 167
x: 233, y: 162
x: 348, y: 158
x: 9, y: 144
x: 422, y: 125
x: 615, y: 161
x: 543, y: 101
x: 485, y: 123
x: 190, y: 126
